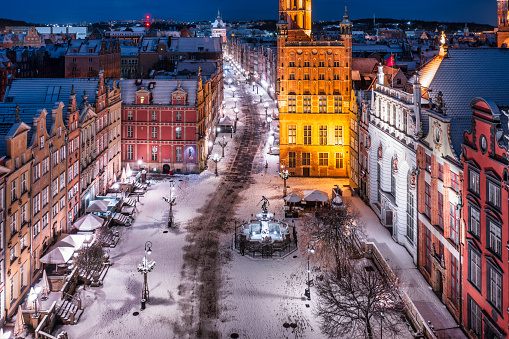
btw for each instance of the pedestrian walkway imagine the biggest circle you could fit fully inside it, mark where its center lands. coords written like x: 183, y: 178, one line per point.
x: 427, y: 306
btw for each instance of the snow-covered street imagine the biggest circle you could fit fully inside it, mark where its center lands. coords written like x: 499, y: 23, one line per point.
x: 201, y: 286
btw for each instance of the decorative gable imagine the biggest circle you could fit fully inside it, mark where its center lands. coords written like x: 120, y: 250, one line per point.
x: 143, y: 96
x: 179, y: 97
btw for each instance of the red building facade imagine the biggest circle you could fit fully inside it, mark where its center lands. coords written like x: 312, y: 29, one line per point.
x: 486, y: 211
x: 167, y: 124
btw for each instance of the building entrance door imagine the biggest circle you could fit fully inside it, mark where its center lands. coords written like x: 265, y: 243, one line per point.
x: 305, y: 171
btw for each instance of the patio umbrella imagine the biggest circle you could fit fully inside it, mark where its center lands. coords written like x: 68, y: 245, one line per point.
x: 72, y: 240
x: 88, y: 222
x: 45, y: 283
x: 128, y: 170
x: 97, y: 206
x: 59, y: 255
x: 315, y: 195
x: 123, y: 177
x: 19, y: 325
x: 292, y: 197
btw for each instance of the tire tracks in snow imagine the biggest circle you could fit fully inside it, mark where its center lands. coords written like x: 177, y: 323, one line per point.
x: 201, y: 272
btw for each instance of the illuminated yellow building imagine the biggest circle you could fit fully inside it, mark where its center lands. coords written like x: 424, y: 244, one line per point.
x: 503, y: 23
x: 314, y: 94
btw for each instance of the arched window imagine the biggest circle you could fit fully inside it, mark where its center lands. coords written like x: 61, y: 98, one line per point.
x: 393, y: 176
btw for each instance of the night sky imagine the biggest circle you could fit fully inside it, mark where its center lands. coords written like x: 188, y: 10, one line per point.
x: 64, y: 11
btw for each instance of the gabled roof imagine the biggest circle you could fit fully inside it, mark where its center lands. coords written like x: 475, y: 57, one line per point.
x: 161, y: 90
x: 462, y: 75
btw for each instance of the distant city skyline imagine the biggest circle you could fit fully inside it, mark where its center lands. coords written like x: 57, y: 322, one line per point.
x: 60, y: 11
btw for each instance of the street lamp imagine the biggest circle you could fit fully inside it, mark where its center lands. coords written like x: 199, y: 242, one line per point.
x: 144, y: 268
x: 269, y: 120
x: 233, y: 91
x: 236, y: 111
x: 216, y: 158
x: 172, y: 201
x: 266, y: 105
x: 284, y: 175
x: 223, y: 145
x: 139, y: 163
x: 235, y: 101
x: 229, y: 82
x: 307, y: 291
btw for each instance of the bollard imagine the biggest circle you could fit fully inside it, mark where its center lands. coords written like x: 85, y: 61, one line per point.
x: 143, y: 301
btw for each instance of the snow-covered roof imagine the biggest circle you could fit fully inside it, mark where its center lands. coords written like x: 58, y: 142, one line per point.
x: 160, y: 89
x: 198, y: 44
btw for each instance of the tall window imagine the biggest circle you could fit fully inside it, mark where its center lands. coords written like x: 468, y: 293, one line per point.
x: 441, y: 171
x: 379, y: 183
x: 178, y: 154
x: 322, y: 101
x: 45, y: 196
x: 306, y: 159
x: 338, y: 135
x: 23, y: 214
x: 23, y: 186
x: 410, y: 217
x: 307, y: 135
x: 427, y: 264
x: 129, y: 131
x: 291, y: 160
x: 473, y: 181
x: 130, y: 152
x: 154, y: 115
x: 427, y: 200
x: 14, y: 223
x: 129, y: 115
x: 178, y: 133
x: 474, y: 317
x: 393, y: 178
x: 307, y: 104
x: 322, y: 136
x: 154, y: 132
x: 340, y: 158
x: 37, y: 203
x: 474, y: 267
x: 474, y: 225
x: 179, y: 116
x: 45, y: 165
x: 292, y: 134
x: 14, y: 191
x: 292, y: 103
x: 454, y: 281
x: 495, y: 288
x: 493, y: 193
x: 440, y: 210
x: 323, y: 159
x: 428, y: 163
x: 154, y: 153
x: 454, y: 222
x: 494, y: 236
x: 455, y: 182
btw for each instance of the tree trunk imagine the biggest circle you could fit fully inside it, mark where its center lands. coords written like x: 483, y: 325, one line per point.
x: 369, y: 330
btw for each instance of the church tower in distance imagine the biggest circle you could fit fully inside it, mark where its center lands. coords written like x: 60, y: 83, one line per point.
x: 313, y: 93
x: 503, y: 23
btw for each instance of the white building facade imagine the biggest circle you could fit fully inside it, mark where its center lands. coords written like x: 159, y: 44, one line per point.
x: 394, y: 130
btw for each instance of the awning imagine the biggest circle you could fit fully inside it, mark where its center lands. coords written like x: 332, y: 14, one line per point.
x: 98, y: 206
x: 88, y: 222
x: 316, y: 195
x: 59, y: 255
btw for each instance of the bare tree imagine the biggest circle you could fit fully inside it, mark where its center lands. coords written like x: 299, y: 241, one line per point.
x: 355, y: 303
x: 332, y: 232
x: 89, y: 260
x: 103, y: 235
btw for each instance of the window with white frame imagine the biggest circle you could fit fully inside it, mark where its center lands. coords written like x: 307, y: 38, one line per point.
x: 36, y: 229
x: 23, y: 186
x: 473, y: 181
x: 62, y: 153
x: 178, y: 132
x: 474, y: 317
x: 54, y: 210
x: 474, y: 225
x: 323, y: 159
x: 493, y: 193
x: 54, y: 187
x: 62, y: 181
x: 129, y: 115
x: 45, y: 220
x: 494, y: 232
x: 154, y: 115
x: 45, y: 196
x: 14, y: 191
x: 41, y: 142
x: 14, y: 223
x: 179, y: 116
x: 45, y: 165
x: 130, y: 153
x: 292, y: 134
x: 338, y: 135
x: 178, y: 154
x: 129, y: 131
x: 154, y: 132
x: 495, y: 287
x: 37, y: 171
x: 153, y: 155
x: 54, y: 156
x: 36, y: 202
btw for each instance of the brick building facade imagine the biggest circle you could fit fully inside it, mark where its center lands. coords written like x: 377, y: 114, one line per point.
x: 313, y: 93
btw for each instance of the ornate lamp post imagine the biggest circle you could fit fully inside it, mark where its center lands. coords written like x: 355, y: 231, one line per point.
x: 139, y: 163
x: 216, y: 158
x: 284, y: 175
x: 233, y: 91
x: 269, y: 120
x: 34, y: 294
x: 236, y: 110
x: 307, y: 291
x: 266, y: 105
x: 223, y: 145
x: 172, y: 201
x: 235, y: 101
x: 144, y: 268
x: 229, y: 82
